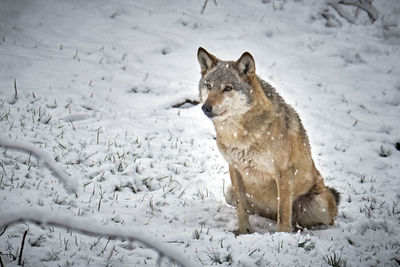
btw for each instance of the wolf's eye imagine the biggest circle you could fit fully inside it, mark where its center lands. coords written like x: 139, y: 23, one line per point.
x: 208, y: 86
x: 228, y: 88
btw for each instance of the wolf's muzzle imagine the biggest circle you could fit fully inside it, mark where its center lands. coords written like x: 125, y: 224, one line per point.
x: 207, y: 109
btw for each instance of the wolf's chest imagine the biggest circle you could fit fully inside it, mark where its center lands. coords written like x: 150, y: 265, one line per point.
x: 251, y: 160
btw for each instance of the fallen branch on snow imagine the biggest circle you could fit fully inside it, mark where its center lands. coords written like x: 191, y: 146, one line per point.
x: 187, y: 101
x: 91, y: 228
x: 365, y: 5
x: 70, y: 184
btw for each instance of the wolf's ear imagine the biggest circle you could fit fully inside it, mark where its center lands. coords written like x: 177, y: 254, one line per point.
x: 246, y: 64
x: 206, y: 60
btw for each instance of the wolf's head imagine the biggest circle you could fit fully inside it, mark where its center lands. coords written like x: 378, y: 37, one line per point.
x: 225, y: 86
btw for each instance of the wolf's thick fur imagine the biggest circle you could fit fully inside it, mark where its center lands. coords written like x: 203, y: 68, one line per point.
x: 264, y: 142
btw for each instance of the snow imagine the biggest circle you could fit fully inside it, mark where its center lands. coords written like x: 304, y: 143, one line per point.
x: 96, y: 82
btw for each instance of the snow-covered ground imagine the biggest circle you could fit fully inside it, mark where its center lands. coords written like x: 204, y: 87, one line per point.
x: 96, y: 82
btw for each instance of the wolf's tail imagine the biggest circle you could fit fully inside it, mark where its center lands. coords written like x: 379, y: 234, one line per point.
x: 336, y: 195
x: 316, y: 207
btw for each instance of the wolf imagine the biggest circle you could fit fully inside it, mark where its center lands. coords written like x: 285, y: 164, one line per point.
x: 266, y: 146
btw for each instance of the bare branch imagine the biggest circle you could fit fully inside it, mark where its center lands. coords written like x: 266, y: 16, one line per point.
x: 91, y: 227
x: 70, y: 184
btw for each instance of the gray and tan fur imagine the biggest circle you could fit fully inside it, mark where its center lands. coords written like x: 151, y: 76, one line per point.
x: 264, y: 142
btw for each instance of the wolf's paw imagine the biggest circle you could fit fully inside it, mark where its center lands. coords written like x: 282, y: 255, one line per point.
x: 246, y: 230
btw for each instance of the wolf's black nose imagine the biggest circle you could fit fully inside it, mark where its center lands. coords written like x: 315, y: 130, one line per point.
x: 207, y: 109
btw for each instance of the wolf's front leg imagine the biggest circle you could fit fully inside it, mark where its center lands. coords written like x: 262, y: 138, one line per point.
x: 285, y: 199
x: 240, y: 193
